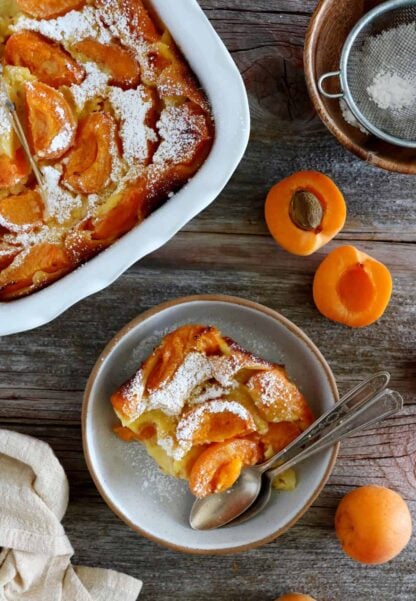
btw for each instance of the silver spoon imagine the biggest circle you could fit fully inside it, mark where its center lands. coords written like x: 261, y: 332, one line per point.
x: 389, y: 403
x: 220, y: 509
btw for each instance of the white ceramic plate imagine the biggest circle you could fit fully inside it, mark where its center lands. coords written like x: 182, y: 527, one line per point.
x: 158, y: 506
x: 224, y: 86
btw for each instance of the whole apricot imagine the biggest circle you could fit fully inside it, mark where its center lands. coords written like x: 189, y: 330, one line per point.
x: 295, y: 597
x: 373, y: 524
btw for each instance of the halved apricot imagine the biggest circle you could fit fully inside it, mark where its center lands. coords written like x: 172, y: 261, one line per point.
x: 351, y: 287
x: 24, y: 210
x: 220, y: 465
x: 36, y: 268
x: 50, y: 63
x: 215, y: 421
x: 130, y: 210
x: 90, y: 162
x: 47, y: 9
x: 277, y: 398
x: 133, y: 15
x: 52, y: 124
x: 279, y: 436
x: 14, y: 170
x: 122, y: 66
x: 305, y: 211
x: 177, y: 81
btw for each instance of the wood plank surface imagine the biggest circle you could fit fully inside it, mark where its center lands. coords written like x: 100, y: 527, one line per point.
x: 227, y: 250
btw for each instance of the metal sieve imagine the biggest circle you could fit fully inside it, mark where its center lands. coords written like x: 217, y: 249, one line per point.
x: 358, y: 69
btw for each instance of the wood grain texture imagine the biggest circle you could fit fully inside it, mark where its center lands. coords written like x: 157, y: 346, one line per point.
x: 227, y: 250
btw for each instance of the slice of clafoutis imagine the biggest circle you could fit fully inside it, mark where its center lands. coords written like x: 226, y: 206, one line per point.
x: 204, y: 408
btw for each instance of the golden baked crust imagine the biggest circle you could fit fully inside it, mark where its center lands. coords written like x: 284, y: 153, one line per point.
x: 116, y: 121
x: 204, y: 407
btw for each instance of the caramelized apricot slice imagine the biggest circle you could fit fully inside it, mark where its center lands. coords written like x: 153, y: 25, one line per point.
x: 215, y: 421
x: 130, y: 210
x: 13, y: 170
x: 46, y: 60
x: 177, y: 81
x: 46, y: 9
x: 279, y: 436
x: 131, y: 15
x: 90, y: 162
x: 122, y: 66
x: 185, y: 135
x: 219, y: 466
x: 52, y: 123
x: 24, y: 210
x: 277, y: 398
x: 351, y: 287
x: 36, y: 267
x: 305, y: 211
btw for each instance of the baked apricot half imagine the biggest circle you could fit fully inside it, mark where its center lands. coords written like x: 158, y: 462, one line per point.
x: 351, y: 287
x: 215, y: 421
x: 13, y: 170
x: 305, y: 211
x: 123, y: 68
x: 46, y: 60
x: 40, y: 265
x: 24, y: 210
x: 48, y: 8
x: 134, y: 14
x: 52, y: 124
x: 90, y: 162
x: 219, y: 466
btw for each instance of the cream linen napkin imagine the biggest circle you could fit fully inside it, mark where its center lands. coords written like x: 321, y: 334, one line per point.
x: 35, y: 560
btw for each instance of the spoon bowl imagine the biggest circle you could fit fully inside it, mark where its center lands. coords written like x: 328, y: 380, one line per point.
x: 365, y: 405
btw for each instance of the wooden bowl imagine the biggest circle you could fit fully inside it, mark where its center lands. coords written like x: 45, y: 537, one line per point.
x: 327, y: 32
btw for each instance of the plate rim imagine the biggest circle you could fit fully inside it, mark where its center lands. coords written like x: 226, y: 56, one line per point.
x: 145, y: 316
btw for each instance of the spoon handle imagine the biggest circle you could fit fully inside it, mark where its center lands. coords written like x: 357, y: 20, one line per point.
x: 356, y: 397
x: 379, y: 407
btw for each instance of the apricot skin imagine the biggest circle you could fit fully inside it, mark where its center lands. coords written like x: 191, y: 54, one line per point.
x: 373, y: 524
x: 295, y: 597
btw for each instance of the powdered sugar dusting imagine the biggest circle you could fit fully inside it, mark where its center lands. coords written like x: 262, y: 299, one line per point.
x: 179, y: 129
x: 132, y: 107
x: 60, y: 203
x: 191, y: 422
x: 5, y: 121
x: 73, y: 27
x: 95, y: 84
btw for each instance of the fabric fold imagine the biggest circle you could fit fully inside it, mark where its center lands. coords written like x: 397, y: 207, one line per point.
x: 35, y: 563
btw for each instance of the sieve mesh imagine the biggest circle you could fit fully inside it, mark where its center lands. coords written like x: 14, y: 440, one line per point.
x: 396, y: 57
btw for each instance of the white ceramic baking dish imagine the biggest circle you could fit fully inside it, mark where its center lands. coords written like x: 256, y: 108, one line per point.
x: 222, y: 81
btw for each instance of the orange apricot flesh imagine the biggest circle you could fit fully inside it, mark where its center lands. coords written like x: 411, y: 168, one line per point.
x: 219, y: 466
x: 52, y: 124
x: 90, y: 162
x: 319, y: 216
x: 124, y: 69
x: 46, y: 60
x: 201, y: 426
x: 47, y: 9
x: 13, y: 170
x: 351, y: 287
x: 373, y: 524
x: 23, y: 210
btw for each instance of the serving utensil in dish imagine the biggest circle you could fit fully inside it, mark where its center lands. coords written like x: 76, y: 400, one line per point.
x: 214, y: 67
x: 365, y: 405
x: 158, y: 506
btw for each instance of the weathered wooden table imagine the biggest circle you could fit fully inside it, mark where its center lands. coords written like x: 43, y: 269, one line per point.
x: 228, y: 250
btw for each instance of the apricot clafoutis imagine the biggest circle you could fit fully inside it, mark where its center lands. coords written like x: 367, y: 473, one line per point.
x: 205, y: 408
x: 115, y: 120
